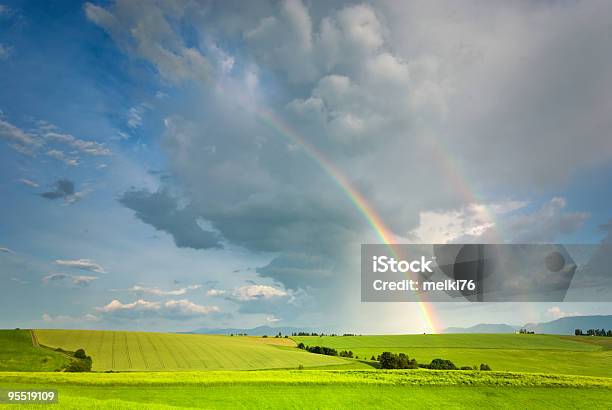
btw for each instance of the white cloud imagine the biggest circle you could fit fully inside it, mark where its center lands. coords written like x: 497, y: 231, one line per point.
x: 257, y: 292
x: 471, y: 221
x: 498, y: 222
x: 134, y: 115
x: 215, y: 292
x: 186, y: 308
x: 6, y: 250
x: 85, y: 264
x: 294, y: 54
x: 68, y: 319
x: 46, y: 135
x: 556, y: 313
x: 60, y: 156
x: 272, y: 319
x: 29, y: 182
x: 138, y: 305
x: 170, y: 309
x: 160, y: 292
x: 146, y: 33
x: 16, y: 134
x: 87, y: 147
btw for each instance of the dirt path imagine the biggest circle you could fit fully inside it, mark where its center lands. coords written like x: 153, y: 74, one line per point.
x: 34, y: 339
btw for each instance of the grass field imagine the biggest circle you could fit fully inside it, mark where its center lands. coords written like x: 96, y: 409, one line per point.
x: 18, y: 353
x: 318, y: 389
x: 591, y: 356
x: 140, y: 351
x: 164, y: 371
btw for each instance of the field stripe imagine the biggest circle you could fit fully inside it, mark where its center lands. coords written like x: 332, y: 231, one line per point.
x: 113, y: 352
x: 189, y: 349
x: 144, y: 358
x: 127, y: 351
x: 159, y: 358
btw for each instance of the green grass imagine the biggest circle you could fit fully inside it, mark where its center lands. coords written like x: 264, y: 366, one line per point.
x: 139, y: 351
x: 590, y: 356
x: 17, y: 353
x: 330, y: 382
x: 318, y: 389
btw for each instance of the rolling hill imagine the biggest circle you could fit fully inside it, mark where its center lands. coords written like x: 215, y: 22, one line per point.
x: 255, y: 331
x: 118, y: 350
x: 567, y: 325
x: 562, y: 326
x: 483, y: 328
x: 19, y: 353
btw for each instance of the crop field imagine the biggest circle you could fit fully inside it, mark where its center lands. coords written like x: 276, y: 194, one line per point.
x: 590, y: 356
x: 318, y: 389
x: 17, y: 352
x: 140, y: 351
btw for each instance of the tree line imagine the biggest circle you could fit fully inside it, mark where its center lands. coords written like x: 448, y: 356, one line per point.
x: 388, y: 360
x: 328, y: 351
x: 593, y: 332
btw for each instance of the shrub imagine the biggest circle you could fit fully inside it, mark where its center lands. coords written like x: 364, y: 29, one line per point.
x: 390, y: 360
x: 484, y: 367
x: 301, y: 346
x: 80, y: 363
x: 442, y: 364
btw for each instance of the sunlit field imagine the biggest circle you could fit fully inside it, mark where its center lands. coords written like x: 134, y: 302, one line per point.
x: 589, y: 356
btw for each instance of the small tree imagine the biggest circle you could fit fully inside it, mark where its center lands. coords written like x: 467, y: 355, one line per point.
x: 484, y: 367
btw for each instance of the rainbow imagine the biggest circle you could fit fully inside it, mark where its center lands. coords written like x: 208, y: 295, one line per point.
x: 373, y: 219
x: 453, y: 172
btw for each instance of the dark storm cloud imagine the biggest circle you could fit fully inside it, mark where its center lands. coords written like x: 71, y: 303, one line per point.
x: 389, y: 105
x: 161, y: 210
x: 63, y: 188
x: 300, y: 270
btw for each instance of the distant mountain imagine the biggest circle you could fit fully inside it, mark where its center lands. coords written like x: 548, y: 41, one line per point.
x: 563, y: 326
x: 567, y: 325
x: 483, y: 328
x: 257, y: 331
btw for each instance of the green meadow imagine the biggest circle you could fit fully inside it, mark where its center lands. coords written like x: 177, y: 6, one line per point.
x: 318, y: 389
x: 589, y: 356
x: 17, y: 352
x: 166, y: 371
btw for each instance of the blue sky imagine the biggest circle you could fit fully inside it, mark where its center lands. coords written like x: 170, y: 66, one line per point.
x: 142, y: 187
